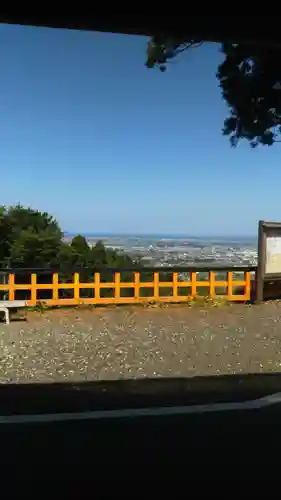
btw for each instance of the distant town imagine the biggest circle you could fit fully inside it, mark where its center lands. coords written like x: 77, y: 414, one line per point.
x: 158, y: 251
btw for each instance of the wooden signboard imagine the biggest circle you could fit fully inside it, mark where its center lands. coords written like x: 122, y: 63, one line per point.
x: 269, y: 255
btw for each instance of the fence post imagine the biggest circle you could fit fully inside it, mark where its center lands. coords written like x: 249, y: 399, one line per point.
x: 117, y: 291
x: 97, y: 286
x: 212, y: 290
x: 76, y: 287
x: 156, y: 286
x: 34, y: 289
x: 229, y: 285
x: 193, y: 284
x: 137, y: 285
x: 55, y: 287
x: 247, y: 279
x: 11, y: 287
x: 175, y: 284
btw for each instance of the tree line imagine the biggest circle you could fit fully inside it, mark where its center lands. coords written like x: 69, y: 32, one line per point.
x: 31, y: 239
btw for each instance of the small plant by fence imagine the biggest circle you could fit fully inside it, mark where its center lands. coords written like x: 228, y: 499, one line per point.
x: 124, y: 286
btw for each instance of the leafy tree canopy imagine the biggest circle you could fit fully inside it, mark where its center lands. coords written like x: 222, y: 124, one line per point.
x: 30, y: 238
x: 250, y: 80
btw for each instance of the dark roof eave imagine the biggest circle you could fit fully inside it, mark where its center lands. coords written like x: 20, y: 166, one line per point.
x: 217, y: 28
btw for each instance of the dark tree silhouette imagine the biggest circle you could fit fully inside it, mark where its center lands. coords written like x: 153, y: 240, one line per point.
x: 250, y: 80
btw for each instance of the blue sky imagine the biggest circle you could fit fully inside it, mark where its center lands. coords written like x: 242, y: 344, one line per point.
x: 91, y: 135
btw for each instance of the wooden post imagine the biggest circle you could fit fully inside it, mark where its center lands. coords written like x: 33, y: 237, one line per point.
x: 261, y: 264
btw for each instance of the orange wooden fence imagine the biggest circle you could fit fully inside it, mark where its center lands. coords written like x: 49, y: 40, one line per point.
x: 136, y: 285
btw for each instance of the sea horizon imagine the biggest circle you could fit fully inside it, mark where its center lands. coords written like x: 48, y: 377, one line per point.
x: 161, y: 236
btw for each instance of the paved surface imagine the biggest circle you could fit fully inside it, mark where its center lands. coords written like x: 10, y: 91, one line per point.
x: 105, y: 356
x: 205, y: 455
x: 128, y: 343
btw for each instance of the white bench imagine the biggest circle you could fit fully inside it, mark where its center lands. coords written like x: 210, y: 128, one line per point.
x: 6, y: 305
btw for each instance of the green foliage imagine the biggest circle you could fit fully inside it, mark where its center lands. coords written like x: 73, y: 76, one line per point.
x: 99, y: 256
x: 30, y: 238
x: 21, y: 218
x: 34, y: 249
x: 250, y: 80
x: 67, y: 256
x: 80, y: 245
x: 5, y: 234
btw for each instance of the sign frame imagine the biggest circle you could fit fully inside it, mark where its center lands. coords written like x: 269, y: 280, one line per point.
x: 266, y: 229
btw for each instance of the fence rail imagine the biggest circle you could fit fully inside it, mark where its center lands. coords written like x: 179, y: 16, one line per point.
x: 141, y: 269
x: 175, y: 289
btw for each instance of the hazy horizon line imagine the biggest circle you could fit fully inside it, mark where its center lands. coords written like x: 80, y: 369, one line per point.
x: 158, y: 235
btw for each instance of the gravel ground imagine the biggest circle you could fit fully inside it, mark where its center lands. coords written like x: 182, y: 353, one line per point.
x: 108, y: 344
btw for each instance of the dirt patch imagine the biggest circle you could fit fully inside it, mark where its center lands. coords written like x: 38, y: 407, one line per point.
x: 132, y: 342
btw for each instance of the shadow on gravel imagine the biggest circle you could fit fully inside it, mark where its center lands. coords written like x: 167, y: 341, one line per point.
x: 101, y: 395
x: 78, y: 455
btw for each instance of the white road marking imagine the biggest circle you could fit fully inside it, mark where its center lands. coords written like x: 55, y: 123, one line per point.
x: 142, y: 412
